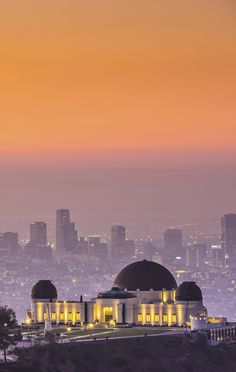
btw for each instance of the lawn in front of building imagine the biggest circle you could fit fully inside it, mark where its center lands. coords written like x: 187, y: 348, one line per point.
x: 129, y: 332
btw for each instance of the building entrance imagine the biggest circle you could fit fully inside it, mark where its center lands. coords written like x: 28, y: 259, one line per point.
x: 108, y: 314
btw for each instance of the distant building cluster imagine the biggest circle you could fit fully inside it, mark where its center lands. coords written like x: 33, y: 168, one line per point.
x: 173, y: 253
x: 69, y: 258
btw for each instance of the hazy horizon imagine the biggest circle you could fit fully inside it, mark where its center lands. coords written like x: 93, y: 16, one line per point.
x: 100, y: 196
x: 120, y: 111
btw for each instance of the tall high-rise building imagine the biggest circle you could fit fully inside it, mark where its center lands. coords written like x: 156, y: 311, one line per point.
x: 217, y: 256
x: 38, y: 233
x: 228, y: 238
x: 130, y: 248
x: 196, y: 255
x: 62, y: 219
x: 191, y: 257
x: 121, y: 247
x: 66, y: 235
x: 118, y: 237
x: 70, y: 236
x: 173, y: 246
x: 201, y: 249
x: 93, y: 243
x: 149, y: 249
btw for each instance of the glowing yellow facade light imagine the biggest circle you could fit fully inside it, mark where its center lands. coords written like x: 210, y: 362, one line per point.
x: 143, y: 314
x: 112, y: 323
x: 68, y: 329
x: 164, y: 295
x: 65, y: 312
x: 78, y: 317
x: 40, y: 312
x: 73, y: 314
x: 174, y: 295
x: 140, y: 317
x: 152, y: 313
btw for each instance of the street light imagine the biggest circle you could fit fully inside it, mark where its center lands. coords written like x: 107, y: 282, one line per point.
x: 90, y: 326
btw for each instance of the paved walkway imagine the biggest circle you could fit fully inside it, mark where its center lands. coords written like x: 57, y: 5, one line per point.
x: 85, y: 338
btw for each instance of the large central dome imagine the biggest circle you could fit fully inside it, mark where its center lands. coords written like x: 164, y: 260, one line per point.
x: 145, y: 275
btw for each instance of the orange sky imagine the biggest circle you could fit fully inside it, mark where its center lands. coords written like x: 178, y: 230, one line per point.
x: 117, y: 74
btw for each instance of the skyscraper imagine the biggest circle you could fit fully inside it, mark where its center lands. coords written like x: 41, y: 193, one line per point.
x: 118, y: 237
x: 38, y: 233
x: 217, y: 256
x: 228, y: 238
x: 149, y: 249
x: 66, y: 235
x: 172, y: 245
x: 62, y: 219
x: 196, y: 256
x: 121, y: 247
x: 118, y: 234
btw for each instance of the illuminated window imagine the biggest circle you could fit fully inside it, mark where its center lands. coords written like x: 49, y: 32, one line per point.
x: 78, y: 317
x: 165, y: 318
x: 157, y: 318
x: 54, y: 317
x: 148, y: 318
x: 69, y: 318
x: 62, y: 316
x: 173, y: 319
x: 140, y: 317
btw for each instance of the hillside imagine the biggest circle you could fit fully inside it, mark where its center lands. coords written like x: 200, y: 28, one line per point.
x: 159, y: 354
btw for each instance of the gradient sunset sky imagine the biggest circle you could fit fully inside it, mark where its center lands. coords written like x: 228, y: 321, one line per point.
x: 116, y: 75
x: 118, y: 109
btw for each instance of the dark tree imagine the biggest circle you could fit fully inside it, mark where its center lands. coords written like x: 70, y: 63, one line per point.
x: 9, y: 332
x: 50, y: 337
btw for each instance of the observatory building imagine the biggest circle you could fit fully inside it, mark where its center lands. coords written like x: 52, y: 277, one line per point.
x: 144, y: 293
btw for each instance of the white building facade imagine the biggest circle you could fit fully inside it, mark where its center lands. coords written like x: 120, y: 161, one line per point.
x: 144, y: 293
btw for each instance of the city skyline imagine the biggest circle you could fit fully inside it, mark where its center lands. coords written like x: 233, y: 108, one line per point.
x: 117, y: 185
x: 205, y: 254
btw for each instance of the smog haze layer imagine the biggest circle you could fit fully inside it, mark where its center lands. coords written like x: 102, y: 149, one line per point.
x: 121, y: 111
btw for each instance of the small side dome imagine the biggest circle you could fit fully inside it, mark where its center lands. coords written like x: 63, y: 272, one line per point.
x: 188, y: 291
x: 44, y: 290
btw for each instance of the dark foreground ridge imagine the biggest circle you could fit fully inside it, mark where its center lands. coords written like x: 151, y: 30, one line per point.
x: 159, y: 354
